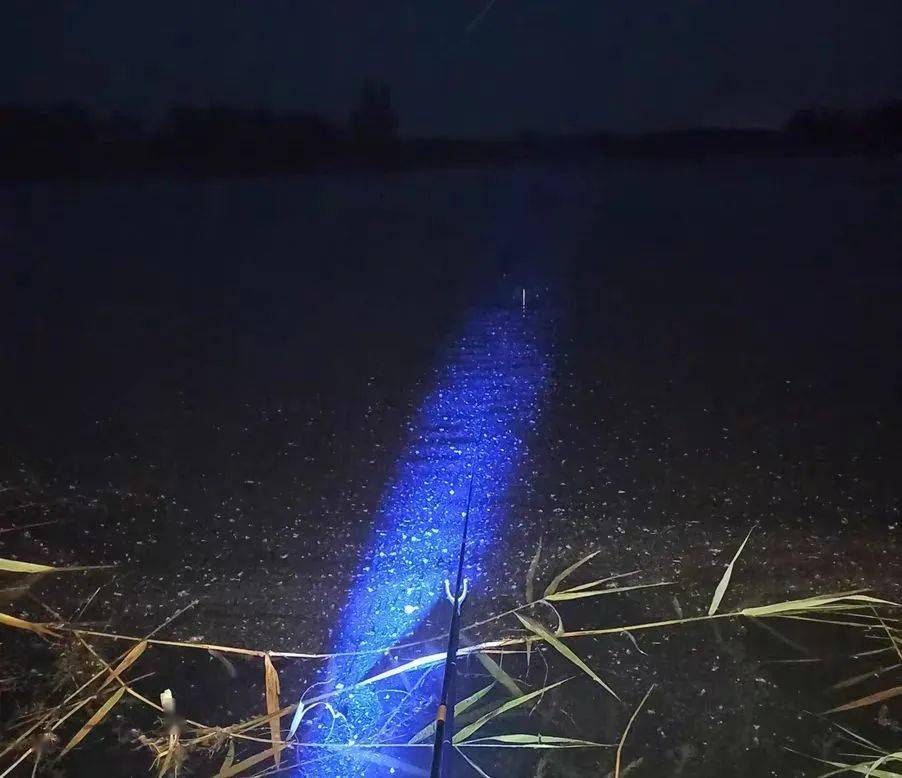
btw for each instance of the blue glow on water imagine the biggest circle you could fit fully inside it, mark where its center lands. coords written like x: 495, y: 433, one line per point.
x: 482, y: 408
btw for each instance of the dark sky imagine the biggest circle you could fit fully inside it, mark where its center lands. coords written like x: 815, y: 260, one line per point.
x: 549, y: 65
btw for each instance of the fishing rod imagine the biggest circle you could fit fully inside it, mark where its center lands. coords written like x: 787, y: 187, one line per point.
x: 444, y: 719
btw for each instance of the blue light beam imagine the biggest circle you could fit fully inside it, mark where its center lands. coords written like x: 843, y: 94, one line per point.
x: 483, y: 405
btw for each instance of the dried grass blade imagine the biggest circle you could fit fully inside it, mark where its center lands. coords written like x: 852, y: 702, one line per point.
x: 246, y: 726
x: 559, y: 578
x: 865, y: 768
x: 299, y: 712
x: 15, y: 566
x: 30, y: 626
x: 857, y: 738
x: 590, y: 633
x: 92, y: 722
x: 871, y: 699
x: 245, y: 764
x: 482, y: 773
x: 573, y: 594
x: 564, y: 650
x: 497, y: 672
x: 18, y: 761
x: 865, y: 676
x: 461, y: 736
x: 761, y: 624
x: 721, y: 589
x: 90, y: 633
x: 272, y: 709
x: 429, y: 730
x: 626, y: 731
x: 229, y: 757
x: 130, y: 658
x: 816, y: 619
x: 807, y: 604
x: 599, y: 581
x: 413, y: 664
x: 559, y: 629
x: 172, y: 747
x: 20, y: 527
x: 537, y: 741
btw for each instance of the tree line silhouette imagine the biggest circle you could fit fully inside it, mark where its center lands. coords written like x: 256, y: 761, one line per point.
x: 878, y: 127
x: 69, y: 140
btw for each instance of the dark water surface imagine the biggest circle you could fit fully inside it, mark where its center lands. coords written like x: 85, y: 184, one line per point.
x: 210, y: 385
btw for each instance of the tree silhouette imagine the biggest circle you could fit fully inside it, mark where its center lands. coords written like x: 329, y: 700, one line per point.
x: 374, y: 121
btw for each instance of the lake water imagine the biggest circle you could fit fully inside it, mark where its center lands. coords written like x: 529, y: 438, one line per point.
x: 233, y: 389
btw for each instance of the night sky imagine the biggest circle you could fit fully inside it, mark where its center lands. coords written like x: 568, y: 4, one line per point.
x: 551, y: 66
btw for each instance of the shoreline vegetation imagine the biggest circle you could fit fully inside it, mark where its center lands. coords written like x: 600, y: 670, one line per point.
x: 266, y: 743
x: 70, y: 141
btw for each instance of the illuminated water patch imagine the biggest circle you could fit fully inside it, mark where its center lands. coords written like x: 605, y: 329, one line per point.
x: 482, y: 408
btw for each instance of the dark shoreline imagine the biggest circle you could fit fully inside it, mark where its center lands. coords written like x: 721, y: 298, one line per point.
x: 148, y: 158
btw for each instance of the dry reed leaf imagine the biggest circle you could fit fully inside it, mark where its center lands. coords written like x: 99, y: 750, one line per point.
x: 865, y: 676
x: 23, y: 736
x: 559, y: 578
x: 626, y: 731
x: 15, y: 566
x: 130, y: 658
x: 817, y: 604
x: 564, y: 650
x: 559, y: 629
x: 721, y: 589
x: 428, y: 731
x: 299, y: 712
x: 497, y: 672
x: 19, y: 761
x: 477, y: 769
x: 272, y: 708
x: 578, y: 594
x: 538, y: 741
x: 171, y: 748
x: 257, y: 721
x: 12, y: 621
x: 92, y: 722
x: 868, y: 769
x: 861, y: 702
x: 461, y: 736
x: 89, y: 633
x: 32, y: 525
x: 599, y: 581
x: 245, y: 764
x: 229, y: 757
